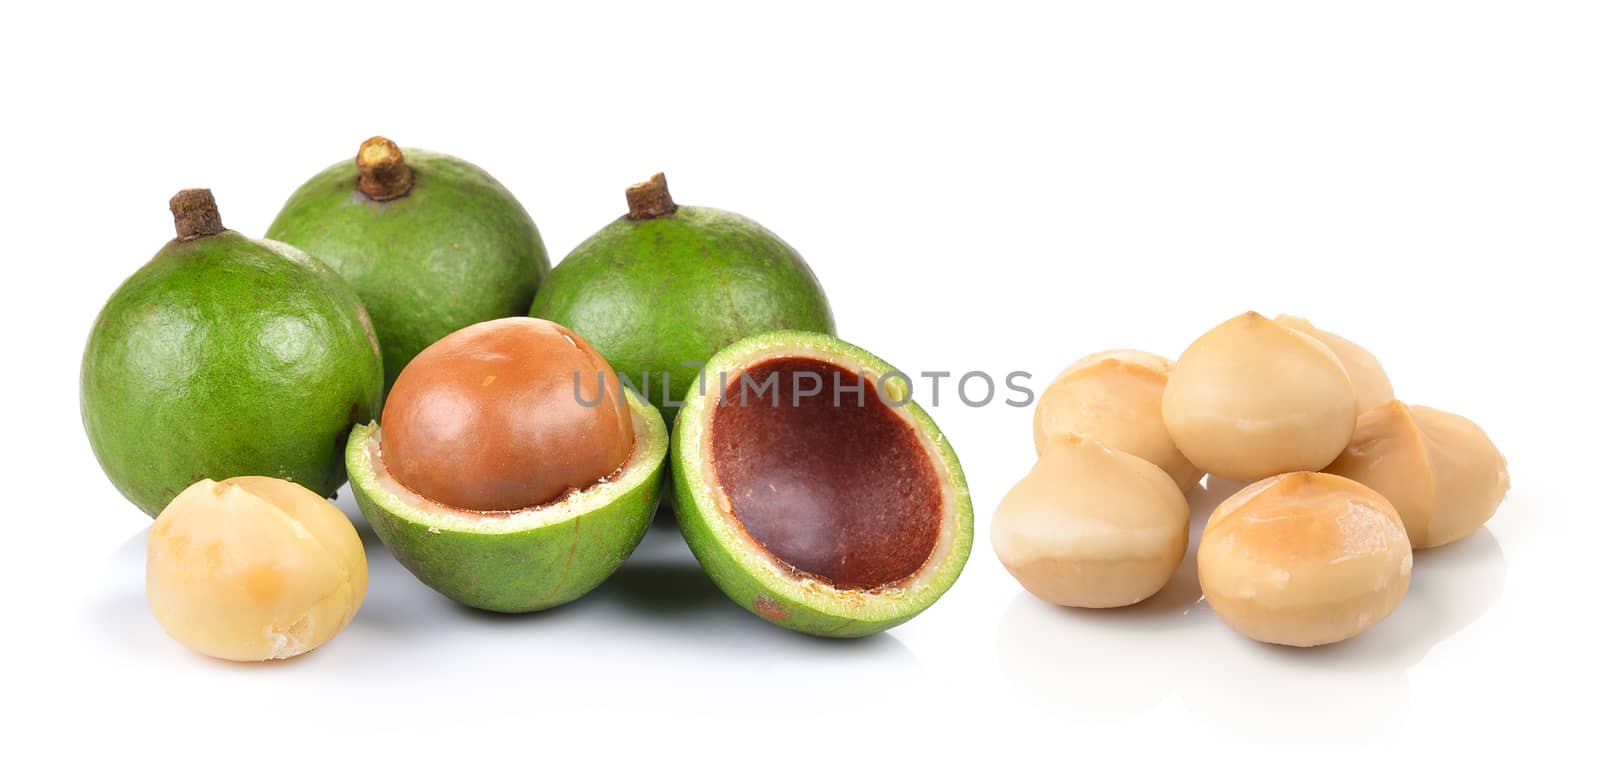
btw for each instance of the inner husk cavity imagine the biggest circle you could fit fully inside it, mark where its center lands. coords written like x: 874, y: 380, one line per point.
x: 826, y: 477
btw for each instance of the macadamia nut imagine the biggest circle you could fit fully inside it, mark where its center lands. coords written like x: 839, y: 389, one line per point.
x: 1371, y: 382
x: 1114, y: 397
x: 253, y: 568
x: 1253, y: 398
x: 1441, y: 472
x: 504, y: 415
x: 1304, y: 559
x: 1092, y: 527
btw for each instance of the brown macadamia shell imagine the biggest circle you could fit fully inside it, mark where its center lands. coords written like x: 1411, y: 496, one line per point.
x: 1253, y: 398
x: 253, y: 568
x: 1091, y: 527
x: 1114, y: 397
x: 504, y: 415
x: 1304, y: 559
x: 1441, y: 471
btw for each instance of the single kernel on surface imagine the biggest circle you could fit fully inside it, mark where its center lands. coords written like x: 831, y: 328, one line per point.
x: 253, y: 568
x: 1304, y: 559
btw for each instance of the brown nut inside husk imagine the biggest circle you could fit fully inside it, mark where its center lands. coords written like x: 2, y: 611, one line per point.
x: 1367, y: 376
x: 1114, y: 397
x: 1091, y: 527
x: 1441, y: 471
x: 1253, y: 398
x: 504, y: 415
x: 1304, y: 559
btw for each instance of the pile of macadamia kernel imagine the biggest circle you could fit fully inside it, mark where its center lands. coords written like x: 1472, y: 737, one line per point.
x: 1344, y: 481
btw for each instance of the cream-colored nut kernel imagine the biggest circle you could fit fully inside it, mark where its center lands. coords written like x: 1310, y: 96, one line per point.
x: 253, y: 568
x: 1114, y: 397
x: 1440, y: 470
x: 1253, y: 398
x: 1091, y: 527
x: 1304, y: 559
x: 1366, y: 373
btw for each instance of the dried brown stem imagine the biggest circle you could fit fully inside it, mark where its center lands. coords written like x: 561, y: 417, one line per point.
x: 384, y: 173
x: 650, y: 199
x: 194, y: 214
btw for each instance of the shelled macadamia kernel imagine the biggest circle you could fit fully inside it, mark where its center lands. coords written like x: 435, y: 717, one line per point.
x: 1114, y: 397
x: 1440, y: 470
x: 1253, y: 398
x: 253, y: 568
x: 1092, y: 527
x: 1304, y: 559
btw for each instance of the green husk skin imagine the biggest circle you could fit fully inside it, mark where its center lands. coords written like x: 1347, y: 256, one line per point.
x: 654, y: 294
x: 456, y: 250
x: 751, y: 577
x: 226, y: 356
x: 523, y: 570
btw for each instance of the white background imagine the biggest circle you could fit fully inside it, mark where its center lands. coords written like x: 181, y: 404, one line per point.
x: 985, y: 186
